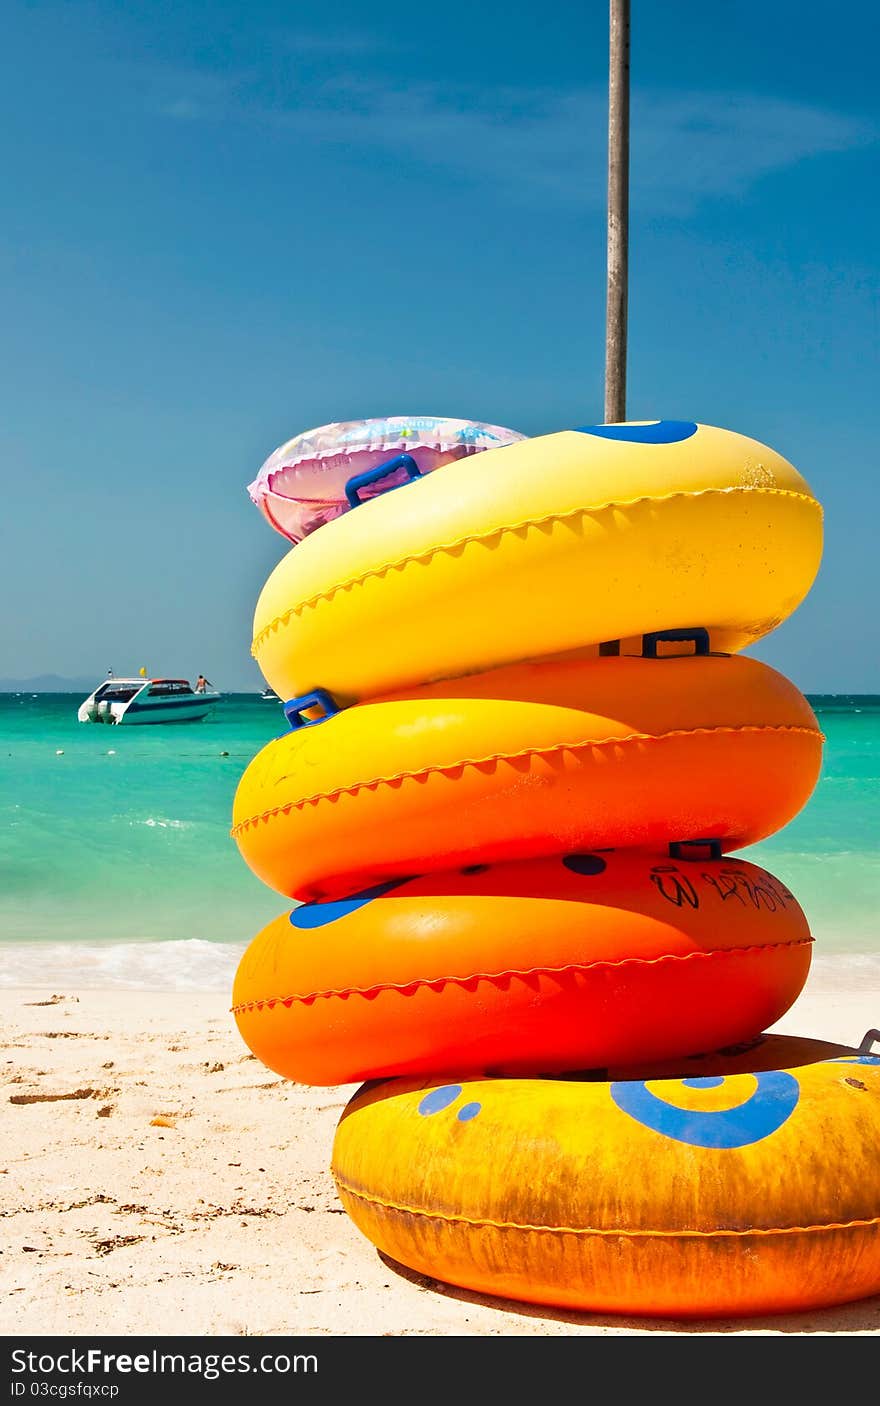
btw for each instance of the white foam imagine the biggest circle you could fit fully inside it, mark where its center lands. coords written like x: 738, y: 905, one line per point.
x: 196, y: 965
x: 846, y: 971
x: 191, y: 965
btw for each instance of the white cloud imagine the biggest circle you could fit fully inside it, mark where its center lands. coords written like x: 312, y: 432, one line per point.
x: 539, y: 144
x: 691, y: 146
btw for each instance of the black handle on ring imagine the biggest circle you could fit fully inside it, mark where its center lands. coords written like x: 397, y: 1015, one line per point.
x: 868, y: 1039
x: 318, y: 698
x: 677, y: 849
x: 359, y: 481
x: 698, y: 637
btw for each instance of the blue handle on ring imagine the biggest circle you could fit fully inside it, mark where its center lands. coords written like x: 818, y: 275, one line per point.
x: 318, y: 698
x: 359, y: 481
x: 698, y: 637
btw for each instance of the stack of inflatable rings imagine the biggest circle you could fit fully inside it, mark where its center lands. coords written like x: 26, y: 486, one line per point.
x: 523, y: 744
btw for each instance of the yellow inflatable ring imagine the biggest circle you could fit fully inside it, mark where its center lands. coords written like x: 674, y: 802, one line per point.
x: 548, y: 545
x: 527, y: 968
x: 738, y: 1183
x: 536, y: 759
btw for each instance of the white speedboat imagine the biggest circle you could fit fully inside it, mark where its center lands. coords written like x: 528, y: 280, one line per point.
x: 269, y: 695
x: 142, y: 700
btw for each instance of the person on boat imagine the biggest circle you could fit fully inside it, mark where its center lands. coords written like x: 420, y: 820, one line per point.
x: 202, y: 684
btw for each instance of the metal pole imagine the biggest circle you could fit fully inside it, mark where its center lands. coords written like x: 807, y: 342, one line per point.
x: 618, y: 212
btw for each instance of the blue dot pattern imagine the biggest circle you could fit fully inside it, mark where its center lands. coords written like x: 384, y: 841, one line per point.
x: 470, y: 1110
x: 662, y: 432
x: 771, y: 1105
x: 761, y: 1115
x: 439, y: 1099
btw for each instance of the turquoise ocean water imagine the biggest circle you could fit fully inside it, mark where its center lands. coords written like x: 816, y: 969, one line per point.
x: 117, y: 867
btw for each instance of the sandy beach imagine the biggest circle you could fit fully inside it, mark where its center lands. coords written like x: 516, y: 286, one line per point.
x: 157, y: 1179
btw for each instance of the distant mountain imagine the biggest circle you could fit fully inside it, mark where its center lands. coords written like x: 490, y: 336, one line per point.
x: 47, y: 683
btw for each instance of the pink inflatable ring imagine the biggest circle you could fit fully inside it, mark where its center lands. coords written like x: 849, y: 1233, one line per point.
x: 322, y: 473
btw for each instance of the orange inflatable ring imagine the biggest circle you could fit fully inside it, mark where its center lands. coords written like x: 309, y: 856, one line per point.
x: 739, y: 1183
x: 538, y: 759
x: 530, y: 968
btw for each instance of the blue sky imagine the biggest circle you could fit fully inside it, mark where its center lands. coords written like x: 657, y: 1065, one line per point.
x: 224, y: 223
